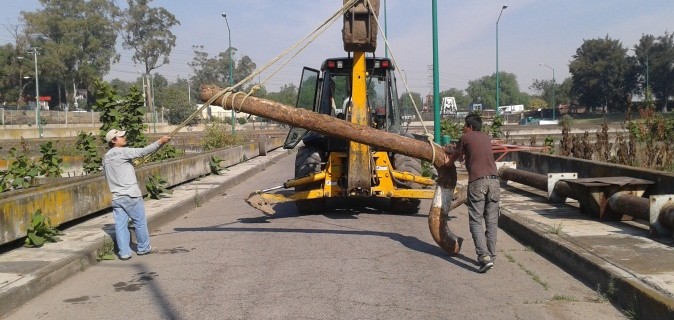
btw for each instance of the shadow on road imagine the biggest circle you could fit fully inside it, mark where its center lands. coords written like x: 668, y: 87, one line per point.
x: 408, y: 241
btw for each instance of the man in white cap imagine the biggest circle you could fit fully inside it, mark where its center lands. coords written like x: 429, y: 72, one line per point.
x: 127, y: 199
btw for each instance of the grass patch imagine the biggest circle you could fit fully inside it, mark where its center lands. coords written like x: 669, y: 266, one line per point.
x: 557, y: 229
x: 531, y: 274
x: 108, y: 251
x: 561, y: 297
x: 605, y: 294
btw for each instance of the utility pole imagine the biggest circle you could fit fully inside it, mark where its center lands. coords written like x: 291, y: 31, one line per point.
x: 151, y: 100
x: 37, y: 94
x: 18, y: 99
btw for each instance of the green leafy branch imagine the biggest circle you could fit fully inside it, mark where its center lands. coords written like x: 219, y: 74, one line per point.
x: 50, y: 163
x: 156, y: 187
x: 86, y: 143
x: 216, y: 165
x: 41, y: 231
x: 22, y: 172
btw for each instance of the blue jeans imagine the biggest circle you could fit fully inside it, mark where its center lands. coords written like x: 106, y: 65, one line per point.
x: 124, y: 208
x: 483, y: 211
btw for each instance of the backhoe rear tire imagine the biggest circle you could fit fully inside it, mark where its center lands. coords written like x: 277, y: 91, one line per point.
x: 309, y: 160
x: 403, y: 163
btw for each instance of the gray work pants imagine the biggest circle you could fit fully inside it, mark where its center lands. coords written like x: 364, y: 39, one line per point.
x: 483, y: 211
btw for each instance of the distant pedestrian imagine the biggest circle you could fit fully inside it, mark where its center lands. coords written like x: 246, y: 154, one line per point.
x: 127, y: 199
x: 484, y: 190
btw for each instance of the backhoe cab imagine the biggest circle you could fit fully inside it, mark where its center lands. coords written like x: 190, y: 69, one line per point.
x: 327, y: 167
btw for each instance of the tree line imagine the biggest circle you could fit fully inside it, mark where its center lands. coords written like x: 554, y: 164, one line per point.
x: 605, y: 76
x: 75, y: 42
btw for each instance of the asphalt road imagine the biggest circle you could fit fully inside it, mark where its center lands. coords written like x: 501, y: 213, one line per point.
x: 225, y: 260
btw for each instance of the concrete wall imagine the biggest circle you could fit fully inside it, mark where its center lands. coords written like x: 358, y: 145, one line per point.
x: 16, y: 132
x: 544, y: 164
x: 68, y: 199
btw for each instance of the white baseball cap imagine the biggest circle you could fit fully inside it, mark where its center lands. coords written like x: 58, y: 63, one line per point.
x: 114, y: 133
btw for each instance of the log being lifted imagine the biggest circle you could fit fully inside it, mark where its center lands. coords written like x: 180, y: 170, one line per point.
x: 442, y: 201
x: 327, y: 125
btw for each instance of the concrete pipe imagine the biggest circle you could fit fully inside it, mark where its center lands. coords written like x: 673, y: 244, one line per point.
x: 538, y: 181
x: 630, y: 205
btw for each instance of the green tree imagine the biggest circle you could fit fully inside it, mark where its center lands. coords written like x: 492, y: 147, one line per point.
x: 537, y: 103
x: 215, y: 70
x: 598, y: 72
x: 406, y: 103
x: 544, y: 89
x: 121, y: 86
x: 76, y: 41
x: 147, y: 31
x: 9, y: 77
x: 286, y: 95
x: 209, y: 70
x: 244, y: 68
x: 158, y: 83
x: 563, y: 92
x: 654, y: 58
x: 14, y: 65
x: 174, y: 99
x: 483, y: 91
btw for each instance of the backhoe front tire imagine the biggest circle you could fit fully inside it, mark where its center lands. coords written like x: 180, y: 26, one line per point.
x: 403, y: 163
x: 308, y: 161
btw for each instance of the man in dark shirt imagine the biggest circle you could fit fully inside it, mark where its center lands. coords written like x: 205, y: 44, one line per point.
x: 483, y: 188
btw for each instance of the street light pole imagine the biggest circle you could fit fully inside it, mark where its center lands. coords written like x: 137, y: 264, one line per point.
x: 37, y: 94
x: 498, y: 84
x: 553, y: 88
x: 231, y: 80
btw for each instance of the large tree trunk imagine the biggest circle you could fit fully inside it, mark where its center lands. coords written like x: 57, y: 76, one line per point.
x: 327, y: 125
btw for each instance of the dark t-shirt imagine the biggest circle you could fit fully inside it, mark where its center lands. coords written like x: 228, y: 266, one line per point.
x: 476, y: 149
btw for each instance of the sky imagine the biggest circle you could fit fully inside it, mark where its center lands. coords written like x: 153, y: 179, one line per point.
x: 530, y: 32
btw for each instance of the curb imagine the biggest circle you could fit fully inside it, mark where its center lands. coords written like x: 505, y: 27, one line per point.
x: 619, y: 286
x: 50, y: 275
x: 53, y: 273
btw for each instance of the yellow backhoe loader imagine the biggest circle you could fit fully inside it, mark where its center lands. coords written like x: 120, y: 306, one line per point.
x: 363, y: 91
x: 348, y: 117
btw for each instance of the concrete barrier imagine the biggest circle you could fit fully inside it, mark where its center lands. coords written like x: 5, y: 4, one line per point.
x: 69, y: 199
